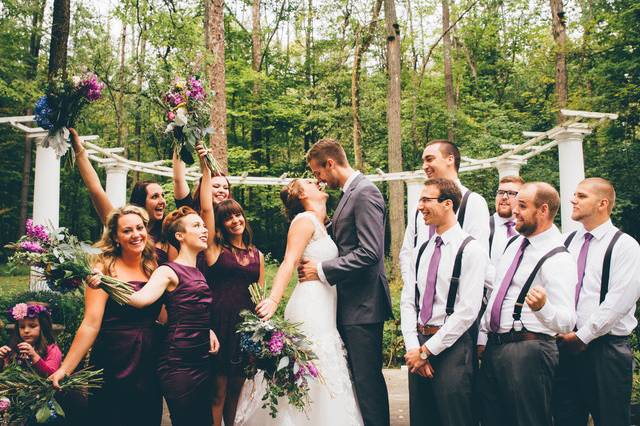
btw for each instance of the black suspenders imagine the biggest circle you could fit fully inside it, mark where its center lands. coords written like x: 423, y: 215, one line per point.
x: 606, y: 264
x: 462, y: 209
x: 455, y: 277
x: 492, y: 231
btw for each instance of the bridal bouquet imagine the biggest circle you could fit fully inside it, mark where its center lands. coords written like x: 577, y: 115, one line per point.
x: 282, y: 352
x: 62, y: 260
x: 24, y: 393
x: 187, y: 119
x: 61, y: 106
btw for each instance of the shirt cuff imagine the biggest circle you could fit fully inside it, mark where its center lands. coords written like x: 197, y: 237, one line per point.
x: 585, y: 335
x: 544, y: 314
x: 321, y: 275
x: 482, y: 338
x: 411, y: 342
x: 435, y: 345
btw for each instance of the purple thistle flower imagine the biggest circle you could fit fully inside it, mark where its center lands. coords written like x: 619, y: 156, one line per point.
x: 276, y: 343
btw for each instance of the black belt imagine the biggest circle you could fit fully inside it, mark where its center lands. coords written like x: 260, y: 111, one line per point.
x: 517, y: 336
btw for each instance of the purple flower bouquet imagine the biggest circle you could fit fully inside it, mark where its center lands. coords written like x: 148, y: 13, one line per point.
x: 283, y: 353
x: 60, y: 107
x: 187, y: 116
x: 62, y: 260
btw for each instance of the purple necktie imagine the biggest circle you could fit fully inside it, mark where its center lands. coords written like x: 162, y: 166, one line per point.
x: 496, y: 309
x: 430, y: 289
x: 510, y: 231
x: 582, y: 263
x: 432, y: 230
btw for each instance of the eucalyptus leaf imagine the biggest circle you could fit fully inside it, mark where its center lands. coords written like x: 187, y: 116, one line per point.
x: 284, y: 361
x: 43, y: 414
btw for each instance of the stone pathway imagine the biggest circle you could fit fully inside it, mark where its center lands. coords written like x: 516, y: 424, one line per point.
x: 398, y: 398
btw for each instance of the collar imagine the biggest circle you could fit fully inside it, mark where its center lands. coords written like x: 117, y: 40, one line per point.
x: 545, y: 237
x: 350, y: 180
x: 502, y: 220
x: 598, y: 232
x: 450, y: 234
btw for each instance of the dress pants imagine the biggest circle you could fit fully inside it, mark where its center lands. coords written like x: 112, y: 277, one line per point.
x: 597, y: 382
x: 516, y: 382
x: 447, y: 398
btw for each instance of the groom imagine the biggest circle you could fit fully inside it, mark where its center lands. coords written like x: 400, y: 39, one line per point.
x: 358, y: 274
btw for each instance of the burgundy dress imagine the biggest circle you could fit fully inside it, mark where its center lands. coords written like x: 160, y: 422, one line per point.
x: 126, y: 350
x: 183, y: 366
x: 229, y: 279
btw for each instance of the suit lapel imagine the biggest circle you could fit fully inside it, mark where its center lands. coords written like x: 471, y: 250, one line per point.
x: 343, y: 202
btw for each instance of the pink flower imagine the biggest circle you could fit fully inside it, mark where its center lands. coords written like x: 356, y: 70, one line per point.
x: 312, y: 369
x: 276, y: 343
x: 171, y: 116
x: 19, y: 311
x: 31, y: 246
x: 4, y: 404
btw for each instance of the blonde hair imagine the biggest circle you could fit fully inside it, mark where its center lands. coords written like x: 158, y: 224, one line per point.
x: 172, y: 223
x: 111, y: 250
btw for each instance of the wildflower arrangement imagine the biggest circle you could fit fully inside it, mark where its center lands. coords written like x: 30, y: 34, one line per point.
x: 282, y: 352
x: 24, y: 393
x: 62, y: 260
x: 59, y: 109
x: 187, y: 119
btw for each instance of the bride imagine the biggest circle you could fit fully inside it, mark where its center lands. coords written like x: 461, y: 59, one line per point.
x: 313, y: 304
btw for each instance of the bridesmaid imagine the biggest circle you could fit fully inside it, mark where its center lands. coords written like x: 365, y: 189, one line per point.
x: 184, y: 364
x: 233, y: 263
x: 220, y: 187
x: 145, y: 194
x: 122, y: 337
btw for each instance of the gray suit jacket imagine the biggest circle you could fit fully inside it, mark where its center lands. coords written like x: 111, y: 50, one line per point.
x: 358, y: 227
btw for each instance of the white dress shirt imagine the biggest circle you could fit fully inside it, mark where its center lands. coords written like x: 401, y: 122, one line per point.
x: 469, y: 296
x: 616, y: 315
x: 558, y: 275
x: 500, y: 237
x: 348, y: 182
x: 476, y: 224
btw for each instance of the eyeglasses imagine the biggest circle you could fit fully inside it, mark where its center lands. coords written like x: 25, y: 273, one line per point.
x: 427, y: 199
x: 509, y: 194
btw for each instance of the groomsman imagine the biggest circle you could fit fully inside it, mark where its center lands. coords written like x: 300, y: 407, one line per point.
x: 521, y: 356
x: 441, y: 159
x: 596, y: 364
x: 502, y: 225
x: 437, y: 310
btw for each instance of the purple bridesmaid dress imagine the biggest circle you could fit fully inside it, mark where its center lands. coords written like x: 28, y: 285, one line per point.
x: 126, y: 349
x: 183, y: 366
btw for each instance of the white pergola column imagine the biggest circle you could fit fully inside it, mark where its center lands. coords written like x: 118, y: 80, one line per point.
x: 46, y: 198
x: 571, y: 163
x: 116, y: 187
x: 509, y: 167
x: 414, y: 187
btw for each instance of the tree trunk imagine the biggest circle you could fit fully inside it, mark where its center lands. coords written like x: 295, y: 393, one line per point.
x: 140, y: 63
x: 120, y: 112
x: 560, y: 36
x: 448, y: 72
x: 394, y: 153
x: 256, y: 59
x: 214, y: 41
x: 308, y: 43
x: 362, y: 44
x: 59, y: 38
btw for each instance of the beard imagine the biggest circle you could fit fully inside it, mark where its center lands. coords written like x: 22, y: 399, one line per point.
x: 526, y: 228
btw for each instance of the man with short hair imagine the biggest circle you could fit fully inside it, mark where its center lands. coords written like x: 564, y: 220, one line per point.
x: 364, y: 301
x: 437, y: 310
x: 502, y: 224
x: 596, y: 361
x: 521, y: 356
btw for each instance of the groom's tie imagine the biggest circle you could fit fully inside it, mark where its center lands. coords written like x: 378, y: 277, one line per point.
x: 496, y: 309
x: 430, y: 289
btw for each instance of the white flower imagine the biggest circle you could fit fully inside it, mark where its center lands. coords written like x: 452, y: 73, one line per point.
x: 76, y: 81
x: 181, y: 117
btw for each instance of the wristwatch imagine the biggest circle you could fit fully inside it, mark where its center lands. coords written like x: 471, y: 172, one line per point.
x: 423, y: 353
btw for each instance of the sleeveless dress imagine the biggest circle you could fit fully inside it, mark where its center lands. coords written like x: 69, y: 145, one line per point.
x: 313, y: 304
x: 183, y: 366
x: 126, y: 349
x: 229, y: 279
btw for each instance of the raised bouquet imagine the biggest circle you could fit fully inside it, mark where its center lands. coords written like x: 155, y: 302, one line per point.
x: 282, y: 352
x: 62, y: 260
x: 187, y: 116
x: 24, y: 393
x: 60, y: 107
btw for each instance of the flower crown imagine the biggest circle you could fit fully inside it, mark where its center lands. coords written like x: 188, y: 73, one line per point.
x: 22, y: 311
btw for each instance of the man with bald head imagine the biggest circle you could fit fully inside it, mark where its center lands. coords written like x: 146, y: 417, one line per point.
x: 531, y: 302
x: 596, y: 366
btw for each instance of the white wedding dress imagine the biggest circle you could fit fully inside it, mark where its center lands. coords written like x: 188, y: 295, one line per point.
x: 313, y: 304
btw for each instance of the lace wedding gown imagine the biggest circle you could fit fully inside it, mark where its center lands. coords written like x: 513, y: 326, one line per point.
x: 313, y: 304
